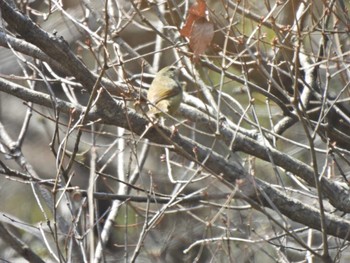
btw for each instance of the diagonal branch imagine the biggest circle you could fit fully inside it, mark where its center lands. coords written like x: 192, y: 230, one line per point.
x: 253, y: 189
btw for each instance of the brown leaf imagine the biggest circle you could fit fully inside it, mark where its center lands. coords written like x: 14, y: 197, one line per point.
x: 196, y: 12
x: 202, y: 34
x: 199, y: 8
x: 186, y: 30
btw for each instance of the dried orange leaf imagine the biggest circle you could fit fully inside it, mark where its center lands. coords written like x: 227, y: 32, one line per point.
x: 186, y: 30
x: 196, y: 12
x: 199, y: 8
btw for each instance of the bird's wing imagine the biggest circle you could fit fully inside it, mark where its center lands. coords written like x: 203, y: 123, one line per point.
x: 171, y: 88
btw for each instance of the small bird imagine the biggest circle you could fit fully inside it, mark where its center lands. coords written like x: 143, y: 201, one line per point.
x: 165, y: 93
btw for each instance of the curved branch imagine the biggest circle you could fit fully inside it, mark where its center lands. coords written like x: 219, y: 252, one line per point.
x: 214, y: 163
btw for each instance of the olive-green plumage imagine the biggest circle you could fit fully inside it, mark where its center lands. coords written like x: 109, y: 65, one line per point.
x: 165, y: 93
